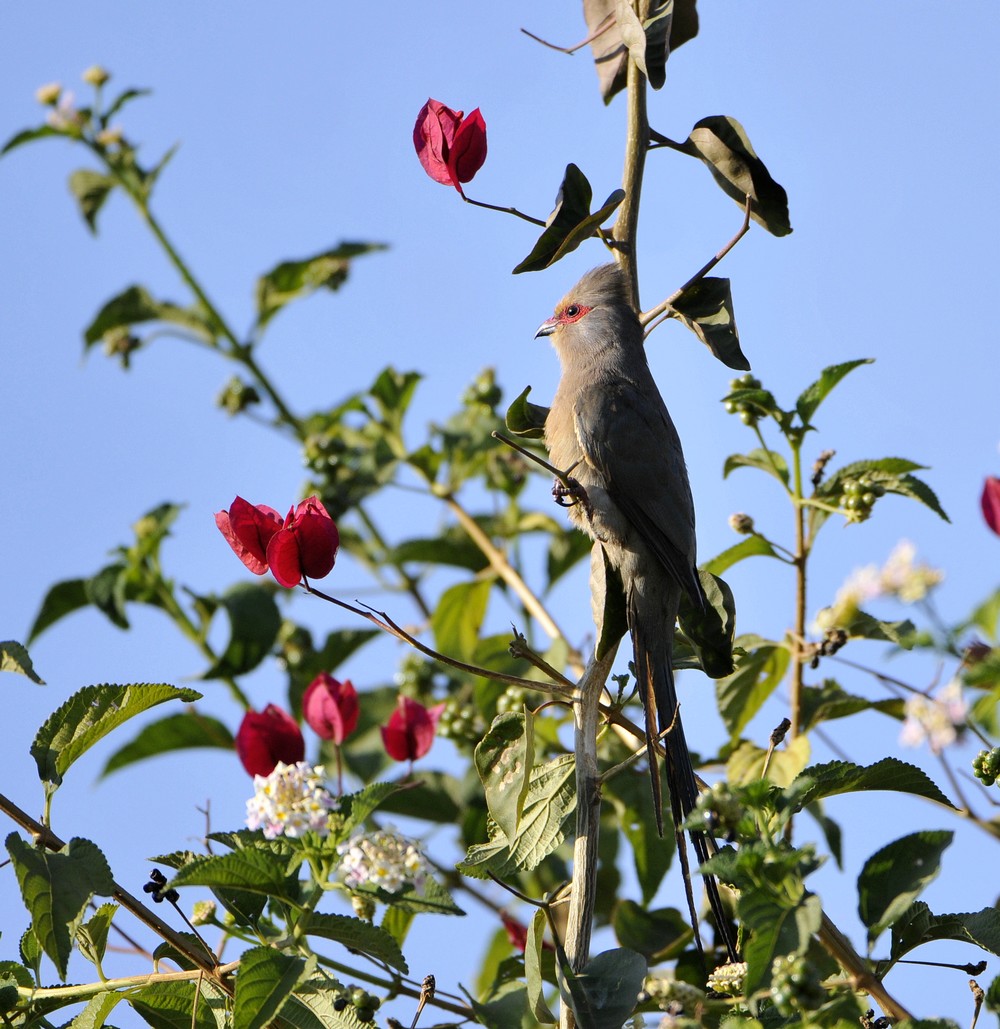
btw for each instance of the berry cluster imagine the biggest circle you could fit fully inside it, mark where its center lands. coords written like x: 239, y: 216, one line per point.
x: 858, y: 497
x: 795, y: 985
x: 512, y: 699
x: 749, y: 413
x: 460, y: 723
x: 986, y: 766
x: 365, y: 1004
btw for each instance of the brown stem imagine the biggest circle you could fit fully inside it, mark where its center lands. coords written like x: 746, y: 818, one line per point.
x: 636, y: 144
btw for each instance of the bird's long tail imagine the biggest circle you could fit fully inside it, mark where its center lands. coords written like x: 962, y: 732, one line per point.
x: 654, y: 673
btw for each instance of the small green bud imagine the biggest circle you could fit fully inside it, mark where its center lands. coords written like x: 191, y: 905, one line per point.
x: 96, y: 76
x: 203, y: 912
x: 49, y: 94
x: 741, y: 523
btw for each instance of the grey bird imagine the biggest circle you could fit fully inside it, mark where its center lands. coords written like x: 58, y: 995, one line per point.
x: 609, y: 429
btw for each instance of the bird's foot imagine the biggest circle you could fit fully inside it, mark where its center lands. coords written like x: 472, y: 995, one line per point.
x: 571, y: 492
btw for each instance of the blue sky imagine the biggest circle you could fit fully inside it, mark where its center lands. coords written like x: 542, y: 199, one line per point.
x: 880, y: 121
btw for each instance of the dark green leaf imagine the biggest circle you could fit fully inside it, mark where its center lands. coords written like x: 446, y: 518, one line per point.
x: 92, y: 936
x: 254, y: 622
x: 604, y: 994
x: 567, y: 548
x: 356, y: 807
x: 710, y: 631
x: 91, y: 189
x: 706, y: 308
x: 814, y: 395
x: 451, y: 547
x: 107, y: 591
x: 769, y: 461
x: 864, y: 626
x: 56, y: 888
x: 176, y: 732
x: 504, y: 759
x: 356, y: 934
x: 776, y: 928
x: 570, y: 222
x: 256, y: 871
x: 758, y: 674
x: 827, y: 702
x: 291, y: 280
x: 341, y: 644
x: 918, y: 925
x: 533, y: 974
x: 432, y: 796
x: 266, y: 980
x: 752, y: 546
x: 14, y: 658
x: 62, y: 599
x: 893, y: 877
x: 651, y: 853
x: 658, y: 935
x: 834, y: 777
x: 27, y: 136
x: 135, y: 306
x: 180, y: 1005
x: 607, y: 601
x: 831, y: 832
x: 88, y: 716
x: 458, y: 617
x: 524, y: 418
x: 121, y: 100
x: 504, y: 1007
x: 315, y: 1004
x: 722, y: 144
x: 96, y: 1011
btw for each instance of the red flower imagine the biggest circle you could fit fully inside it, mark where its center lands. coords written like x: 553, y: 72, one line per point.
x: 331, y: 707
x: 990, y: 501
x: 303, y: 545
x: 517, y: 932
x: 266, y: 737
x: 451, y: 148
x: 410, y: 731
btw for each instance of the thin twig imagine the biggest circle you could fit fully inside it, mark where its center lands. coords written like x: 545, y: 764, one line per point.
x: 504, y: 210
x: 603, y: 26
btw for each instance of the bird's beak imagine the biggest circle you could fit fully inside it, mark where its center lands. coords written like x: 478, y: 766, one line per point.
x: 547, y: 328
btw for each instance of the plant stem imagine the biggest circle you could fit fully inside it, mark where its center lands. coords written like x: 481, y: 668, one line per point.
x: 800, y: 560
x: 636, y: 145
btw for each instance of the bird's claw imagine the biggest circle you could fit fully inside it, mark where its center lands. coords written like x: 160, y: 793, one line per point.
x: 571, y: 492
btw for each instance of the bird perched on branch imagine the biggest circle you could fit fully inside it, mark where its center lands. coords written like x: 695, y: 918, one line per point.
x: 609, y: 429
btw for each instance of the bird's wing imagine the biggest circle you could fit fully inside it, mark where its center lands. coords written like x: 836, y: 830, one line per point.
x: 627, y: 437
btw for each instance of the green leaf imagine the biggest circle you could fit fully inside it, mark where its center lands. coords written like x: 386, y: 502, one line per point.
x: 254, y: 623
x: 534, y: 979
x: 776, y: 928
x: 746, y: 763
x: 265, y: 982
x: 14, y: 658
x: 550, y: 804
x: 62, y: 599
x: 710, y: 631
x: 92, y: 936
x: 706, y: 308
x: 107, y: 591
x: 607, y: 601
x: 458, y: 617
x: 829, y: 701
x: 658, y: 935
x: 504, y: 1007
x: 452, y: 547
x: 88, y: 716
x: 570, y: 223
x: 97, y: 1009
x: 176, y: 732
x: 814, y: 395
x: 769, y: 461
x: 356, y: 934
x: 134, y: 306
x: 651, y: 853
x: 356, y: 807
x: 752, y: 546
x: 835, y: 777
x: 893, y: 877
x: 566, y: 549
x: 121, y: 100
x: 865, y: 626
x: 504, y: 759
x: 292, y: 280
x: 723, y: 145
x: 758, y: 674
x: 91, y: 189
x: 180, y: 1005
x: 604, y: 994
x: 524, y: 418
x: 255, y: 871
x: 56, y: 888
x: 28, y: 136
x: 918, y: 925
x: 314, y: 1005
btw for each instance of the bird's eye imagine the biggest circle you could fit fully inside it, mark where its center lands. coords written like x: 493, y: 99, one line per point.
x: 572, y: 311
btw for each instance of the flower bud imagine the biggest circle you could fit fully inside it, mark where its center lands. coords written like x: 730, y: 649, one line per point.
x: 410, y: 730
x: 49, y: 94
x: 452, y: 148
x: 990, y: 502
x: 741, y: 523
x: 330, y: 708
x: 203, y: 912
x: 96, y: 76
x: 266, y: 737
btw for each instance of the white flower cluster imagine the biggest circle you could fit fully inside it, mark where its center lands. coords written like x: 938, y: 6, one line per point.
x: 290, y: 801
x: 899, y: 577
x: 938, y: 720
x: 383, y: 859
x: 728, y: 978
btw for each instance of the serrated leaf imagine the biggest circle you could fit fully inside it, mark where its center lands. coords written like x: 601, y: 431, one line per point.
x: 724, y: 147
x: 835, y: 777
x: 550, y: 803
x: 894, y: 876
x: 88, y: 716
x: 356, y: 934
x: 179, y: 1005
x: 91, y: 189
x: 658, y: 935
x: 604, y: 993
x: 92, y: 936
x: 136, y: 305
x: 313, y: 1005
x: 504, y: 759
x: 706, y: 308
x: 96, y: 1011
x: 570, y: 222
x: 177, y: 732
x: 56, y: 888
x: 356, y: 807
x: 758, y: 674
x: 769, y: 461
x: 458, y: 617
x: 811, y: 397
x: 504, y: 1007
x: 746, y: 762
x: 255, y: 871
x: 254, y: 623
x: 14, y: 658
x: 752, y: 546
x: 292, y: 280
x: 775, y: 929
x: 266, y: 980
x: 919, y: 925
x: 524, y: 418
x: 62, y: 599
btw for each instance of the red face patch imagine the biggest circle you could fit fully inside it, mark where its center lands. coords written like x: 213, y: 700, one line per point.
x: 572, y: 313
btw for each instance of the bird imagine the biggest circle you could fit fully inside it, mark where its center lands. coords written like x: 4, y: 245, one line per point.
x: 609, y: 429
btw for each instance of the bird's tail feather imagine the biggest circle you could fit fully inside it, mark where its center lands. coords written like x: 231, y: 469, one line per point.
x: 654, y: 673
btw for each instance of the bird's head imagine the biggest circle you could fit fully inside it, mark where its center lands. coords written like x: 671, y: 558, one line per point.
x: 596, y: 310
